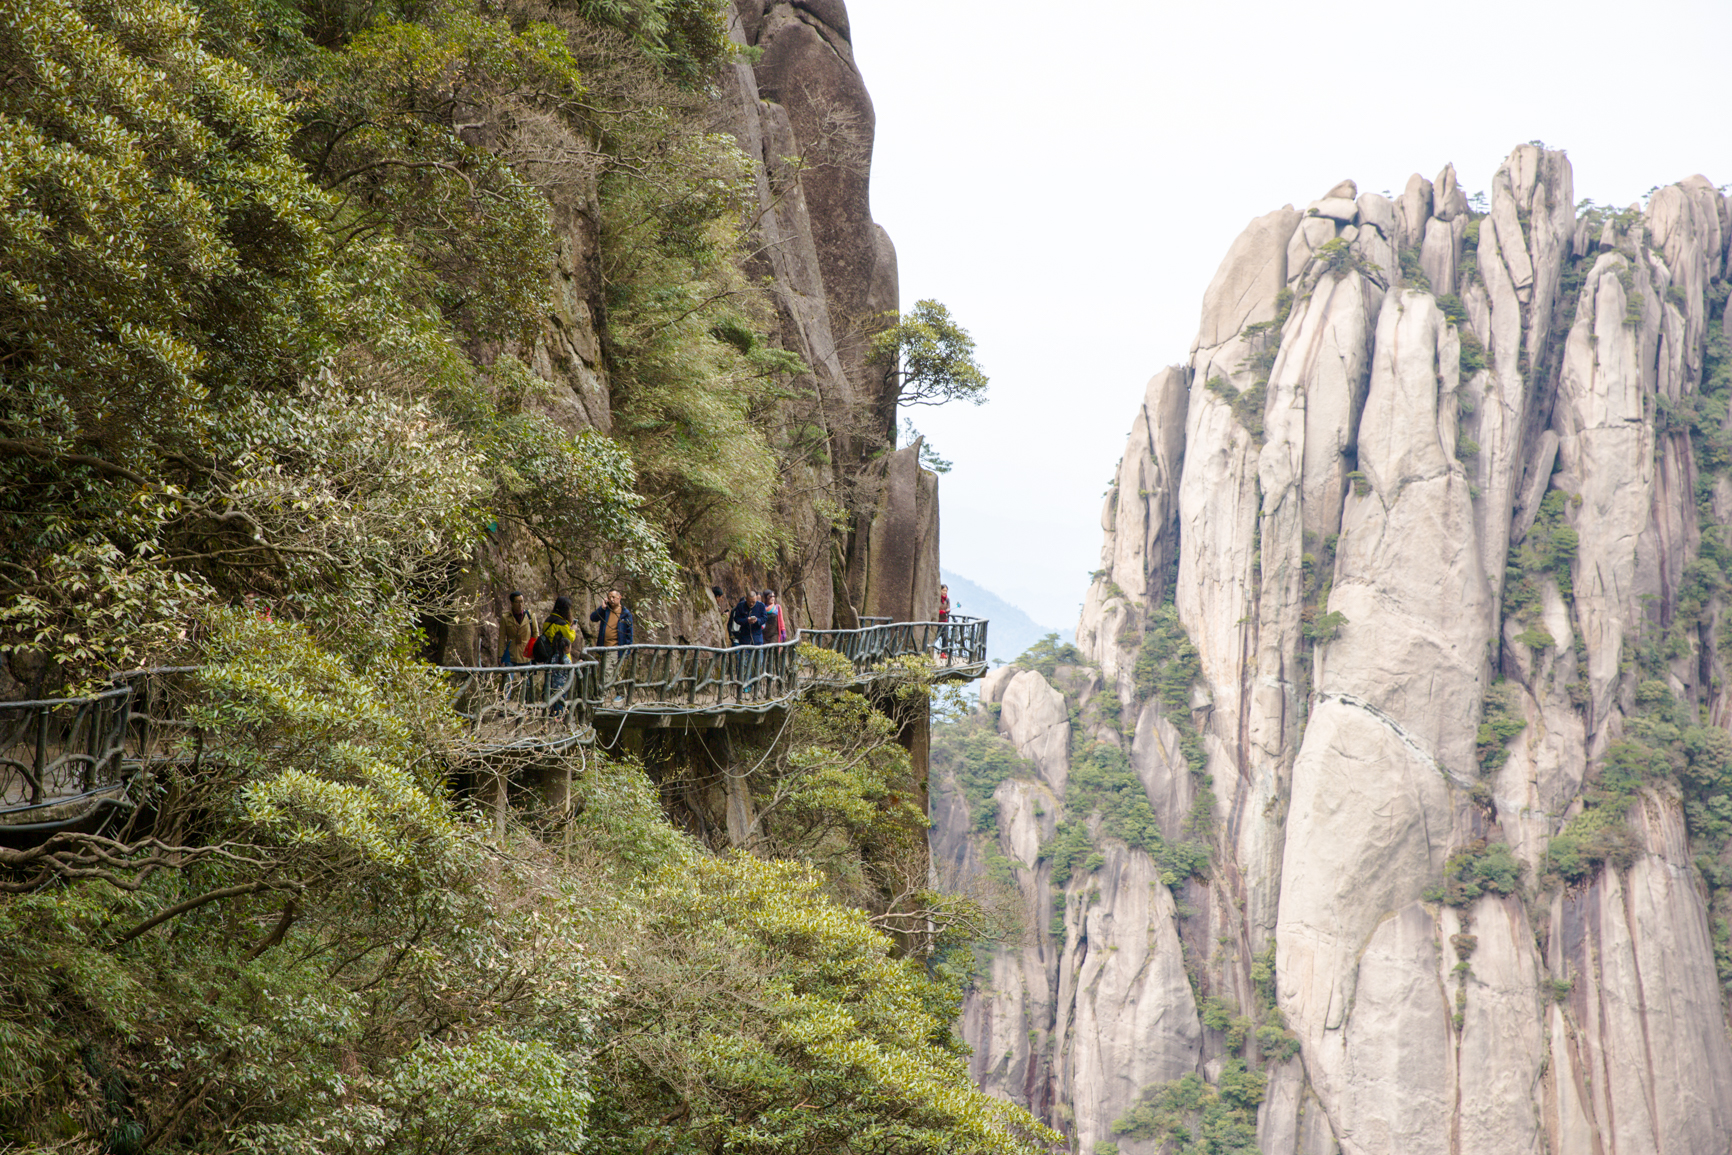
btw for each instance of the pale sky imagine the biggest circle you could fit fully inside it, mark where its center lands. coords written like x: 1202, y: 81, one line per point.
x: 1067, y: 177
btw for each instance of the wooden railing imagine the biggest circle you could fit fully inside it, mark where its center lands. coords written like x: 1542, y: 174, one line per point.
x: 58, y: 748
x: 546, y: 707
x: 653, y: 679
x: 956, y: 646
x: 65, y: 763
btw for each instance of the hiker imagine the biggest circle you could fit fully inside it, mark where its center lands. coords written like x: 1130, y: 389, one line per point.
x: 760, y: 618
x: 553, y: 648
x: 613, y: 620
x: 516, y: 633
x: 741, y: 621
x: 613, y: 629
x: 776, y: 626
x: 944, y: 603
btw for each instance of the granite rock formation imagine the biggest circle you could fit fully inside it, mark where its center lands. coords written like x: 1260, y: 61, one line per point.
x: 1438, y: 503
x: 801, y: 114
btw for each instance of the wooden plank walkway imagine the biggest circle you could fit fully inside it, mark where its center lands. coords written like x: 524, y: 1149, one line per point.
x: 67, y: 763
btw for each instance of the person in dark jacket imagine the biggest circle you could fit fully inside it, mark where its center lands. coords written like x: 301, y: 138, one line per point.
x: 741, y: 621
x: 613, y: 628
x: 759, y: 619
x: 613, y: 622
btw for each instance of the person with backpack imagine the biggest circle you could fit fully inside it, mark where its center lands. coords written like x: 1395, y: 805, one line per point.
x: 517, y: 632
x: 553, y: 648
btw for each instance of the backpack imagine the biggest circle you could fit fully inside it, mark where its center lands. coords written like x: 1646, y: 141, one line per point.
x: 541, y: 650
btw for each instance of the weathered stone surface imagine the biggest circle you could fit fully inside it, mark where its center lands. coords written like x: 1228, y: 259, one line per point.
x: 1341, y: 561
x: 1449, y: 202
x: 897, y: 556
x: 1437, y: 256
x: 1132, y: 1020
x: 1312, y: 234
x: 1036, y: 721
x: 1136, y: 523
x: 1412, y: 211
x: 1378, y: 212
x: 1336, y: 208
x: 1243, y: 291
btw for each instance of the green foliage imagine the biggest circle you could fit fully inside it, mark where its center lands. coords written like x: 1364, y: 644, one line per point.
x: 1501, y: 720
x: 973, y: 753
x: 1219, y: 1014
x: 1548, y: 548
x: 1361, y: 484
x: 1168, y: 666
x: 1197, y: 1119
x: 690, y: 402
x: 224, y: 380
x: 1450, y: 306
x: 1472, y: 358
x: 1337, y: 258
x: 1412, y: 273
x: 929, y: 358
x: 1105, y: 794
x: 409, y: 961
x: 1276, y: 1043
x: 1246, y: 404
x: 1574, y: 856
x: 1467, y: 269
x: 1070, y: 845
x: 929, y: 458
x: 1325, y: 627
x: 686, y: 38
x: 835, y: 1018
x: 1536, y: 638
x: 1478, y: 868
x: 1048, y: 654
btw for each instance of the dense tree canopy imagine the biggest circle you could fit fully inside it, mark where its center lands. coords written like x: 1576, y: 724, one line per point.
x: 274, y: 279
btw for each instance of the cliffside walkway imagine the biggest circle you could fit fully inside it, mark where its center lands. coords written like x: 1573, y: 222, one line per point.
x: 66, y: 764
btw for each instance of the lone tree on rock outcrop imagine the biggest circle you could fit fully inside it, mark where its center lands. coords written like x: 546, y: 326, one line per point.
x: 928, y: 358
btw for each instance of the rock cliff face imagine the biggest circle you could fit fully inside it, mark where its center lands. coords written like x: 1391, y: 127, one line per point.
x: 1410, y: 615
x: 803, y: 118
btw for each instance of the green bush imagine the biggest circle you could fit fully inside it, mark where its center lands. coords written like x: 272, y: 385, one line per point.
x: 1326, y: 627
x: 1477, y: 869
x: 1472, y: 357
x: 1168, y: 666
x: 980, y: 760
x: 1501, y: 721
x: 1412, y: 273
x: 1048, y: 654
x: 1198, y: 1119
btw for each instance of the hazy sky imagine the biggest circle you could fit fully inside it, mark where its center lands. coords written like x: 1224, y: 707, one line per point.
x: 1067, y: 177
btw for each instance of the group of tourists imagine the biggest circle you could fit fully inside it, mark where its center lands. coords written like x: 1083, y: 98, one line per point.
x: 523, y: 643
x: 757, y: 619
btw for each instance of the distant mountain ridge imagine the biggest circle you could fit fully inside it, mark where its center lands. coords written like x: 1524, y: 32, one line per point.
x: 1012, y: 630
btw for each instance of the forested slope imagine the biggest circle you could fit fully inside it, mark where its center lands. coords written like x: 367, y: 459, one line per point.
x: 317, y: 322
